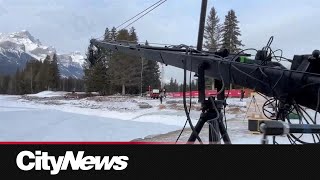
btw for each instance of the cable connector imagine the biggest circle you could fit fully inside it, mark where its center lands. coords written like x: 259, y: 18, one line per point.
x: 274, y: 128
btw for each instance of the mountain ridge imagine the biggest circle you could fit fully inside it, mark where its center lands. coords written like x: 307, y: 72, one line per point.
x: 18, y: 47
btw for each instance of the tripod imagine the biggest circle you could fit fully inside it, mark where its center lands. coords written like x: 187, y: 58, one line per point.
x: 211, y: 114
x: 253, y: 100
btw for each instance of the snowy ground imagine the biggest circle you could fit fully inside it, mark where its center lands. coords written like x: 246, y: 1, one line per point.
x: 48, y: 116
x: 23, y: 120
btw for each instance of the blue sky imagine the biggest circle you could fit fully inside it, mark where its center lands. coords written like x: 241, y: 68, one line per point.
x: 69, y: 24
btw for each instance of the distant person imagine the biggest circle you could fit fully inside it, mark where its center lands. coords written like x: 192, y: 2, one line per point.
x: 161, y: 95
x: 164, y: 93
x: 242, y: 95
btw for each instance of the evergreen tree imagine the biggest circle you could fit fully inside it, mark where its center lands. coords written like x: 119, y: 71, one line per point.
x: 4, y: 83
x: 15, y: 83
x: 169, y: 86
x: 21, y: 83
x: 29, y: 73
x: 79, y: 85
x: 151, y: 75
x: 180, y: 87
x: 107, y: 35
x: 11, y: 89
x: 96, y: 71
x: 70, y: 84
x: 209, y: 82
x: 114, y: 34
x: 108, y: 72
x: 35, y: 78
x: 36, y: 66
x: 42, y: 77
x: 126, y: 69
x: 123, y: 35
x: 88, y: 71
x: 133, y: 35
x: 99, y: 78
x: 91, y: 57
x: 88, y: 68
x: 194, y: 86
x: 53, y: 73
x: 175, y: 86
x: 231, y: 33
x: 212, y: 31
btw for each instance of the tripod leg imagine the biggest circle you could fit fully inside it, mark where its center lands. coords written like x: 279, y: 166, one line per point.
x: 214, y: 132
x: 197, y: 128
x: 258, y: 108
x: 223, y: 131
x: 248, y: 109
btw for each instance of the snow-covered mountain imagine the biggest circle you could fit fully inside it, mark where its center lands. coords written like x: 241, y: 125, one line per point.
x: 19, y: 47
x: 71, y: 64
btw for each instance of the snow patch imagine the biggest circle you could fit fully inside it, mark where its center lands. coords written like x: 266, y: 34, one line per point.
x: 48, y: 94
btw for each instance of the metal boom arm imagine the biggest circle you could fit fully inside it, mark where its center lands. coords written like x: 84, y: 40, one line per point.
x: 272, y: 79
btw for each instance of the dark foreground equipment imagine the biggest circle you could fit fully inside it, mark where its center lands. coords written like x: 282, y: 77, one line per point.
x: 292, y: 88
x: 269, y: 78
x: 289, y: 89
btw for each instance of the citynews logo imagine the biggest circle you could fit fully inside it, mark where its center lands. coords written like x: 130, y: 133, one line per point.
x: 42, y: 161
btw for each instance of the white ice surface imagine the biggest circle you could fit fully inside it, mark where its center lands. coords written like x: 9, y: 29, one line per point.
x: 117, y: 119
x: 24, y: 121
